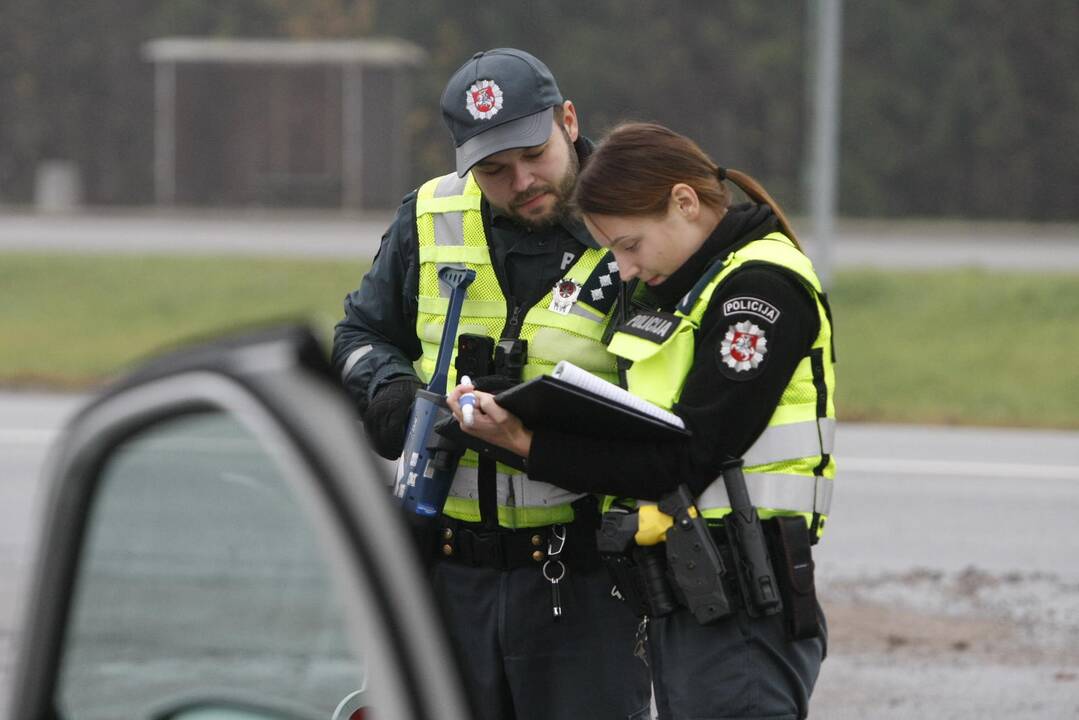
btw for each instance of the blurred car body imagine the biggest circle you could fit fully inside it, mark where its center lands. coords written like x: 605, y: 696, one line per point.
x: 217, y: 541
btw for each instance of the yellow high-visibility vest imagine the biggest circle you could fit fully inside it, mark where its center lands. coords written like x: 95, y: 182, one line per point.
x: 789, y: 469
x: 450, y: 232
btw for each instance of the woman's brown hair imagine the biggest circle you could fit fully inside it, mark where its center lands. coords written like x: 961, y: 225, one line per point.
x: 633, y: 169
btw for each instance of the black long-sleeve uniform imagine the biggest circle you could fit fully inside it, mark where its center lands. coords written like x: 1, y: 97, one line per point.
x: 381, y: 315
x: 724, y: 409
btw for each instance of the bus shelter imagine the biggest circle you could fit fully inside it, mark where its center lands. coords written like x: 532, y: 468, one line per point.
x: 241, y: 122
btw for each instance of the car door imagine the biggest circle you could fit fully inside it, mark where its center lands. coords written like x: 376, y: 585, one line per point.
x: 217, y: 541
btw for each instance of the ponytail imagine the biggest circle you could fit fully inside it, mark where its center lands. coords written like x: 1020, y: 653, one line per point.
x: 634, y: 168
x: 757, y: 193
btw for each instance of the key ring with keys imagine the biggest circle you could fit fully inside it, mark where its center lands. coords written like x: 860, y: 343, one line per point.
x: 554, y: 569
x: 548, y: 574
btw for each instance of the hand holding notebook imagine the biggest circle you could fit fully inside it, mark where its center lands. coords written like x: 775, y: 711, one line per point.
x: 572, y: 399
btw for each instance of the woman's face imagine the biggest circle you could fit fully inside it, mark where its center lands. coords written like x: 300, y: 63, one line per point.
x: 651, y: 247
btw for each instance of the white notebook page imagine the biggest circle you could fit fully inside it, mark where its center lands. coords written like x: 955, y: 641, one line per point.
x: 570, y: 373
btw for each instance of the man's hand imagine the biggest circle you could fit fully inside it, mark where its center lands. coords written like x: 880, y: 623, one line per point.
x: 491, y: 422
x: 386, y: 419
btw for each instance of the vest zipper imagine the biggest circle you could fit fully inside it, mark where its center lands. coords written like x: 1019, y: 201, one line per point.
x: 513, y: 310
x: 513, y: 321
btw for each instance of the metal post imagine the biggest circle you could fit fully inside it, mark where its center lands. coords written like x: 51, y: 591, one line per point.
x: 352, y: 136
x: 825, y: 145
x: 165, y: 133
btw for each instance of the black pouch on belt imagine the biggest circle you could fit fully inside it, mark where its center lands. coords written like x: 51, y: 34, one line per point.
x: 793, y: 563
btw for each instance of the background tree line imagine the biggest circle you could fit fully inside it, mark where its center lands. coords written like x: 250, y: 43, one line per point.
x: 959, y: 108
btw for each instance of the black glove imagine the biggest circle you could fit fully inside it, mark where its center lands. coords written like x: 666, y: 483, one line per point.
x: 493, y: 384
x: 386, y: 418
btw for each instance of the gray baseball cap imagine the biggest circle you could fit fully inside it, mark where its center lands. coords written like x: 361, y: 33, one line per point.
x: 499, y: 99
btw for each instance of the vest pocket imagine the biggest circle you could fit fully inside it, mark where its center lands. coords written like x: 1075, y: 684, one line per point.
x: 659, y: 369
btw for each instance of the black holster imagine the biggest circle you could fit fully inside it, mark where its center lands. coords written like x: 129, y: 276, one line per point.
x: 789, y: 543
x: 639, y: 573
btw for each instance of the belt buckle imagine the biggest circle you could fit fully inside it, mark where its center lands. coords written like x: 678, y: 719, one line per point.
x: 487, y: 550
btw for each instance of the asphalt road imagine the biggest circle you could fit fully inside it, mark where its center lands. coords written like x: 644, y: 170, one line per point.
x: 948, y: 570
x: 907, y: 244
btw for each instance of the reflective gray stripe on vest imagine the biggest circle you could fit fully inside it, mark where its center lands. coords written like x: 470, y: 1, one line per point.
x: 511, y: 490
x: 794, y: 440
x: 581, y: 312
x: 799, y: 493
x: 449, y: 227
x: 824, y: 495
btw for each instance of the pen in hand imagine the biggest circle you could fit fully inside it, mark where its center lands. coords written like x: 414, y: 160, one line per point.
x: 468, y: 402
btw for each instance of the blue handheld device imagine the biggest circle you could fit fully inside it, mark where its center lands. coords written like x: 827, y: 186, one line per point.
x: 429, y: 461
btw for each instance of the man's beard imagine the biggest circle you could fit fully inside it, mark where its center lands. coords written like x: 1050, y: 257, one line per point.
x: 562, y: 192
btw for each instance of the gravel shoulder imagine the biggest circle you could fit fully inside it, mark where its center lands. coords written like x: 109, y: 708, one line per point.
x: 926, y: 644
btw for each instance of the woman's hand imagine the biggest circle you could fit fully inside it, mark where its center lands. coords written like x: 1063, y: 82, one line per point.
x: 490, y: 422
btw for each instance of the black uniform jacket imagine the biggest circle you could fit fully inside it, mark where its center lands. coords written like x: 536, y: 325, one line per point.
x: 381, y: 314
x: 725, y: 409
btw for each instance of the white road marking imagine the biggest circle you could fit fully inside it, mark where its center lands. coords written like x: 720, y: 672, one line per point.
x: 875, y: 465
x: 959, y: 468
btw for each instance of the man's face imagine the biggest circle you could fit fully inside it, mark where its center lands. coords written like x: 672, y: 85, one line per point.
x: 533, y: 185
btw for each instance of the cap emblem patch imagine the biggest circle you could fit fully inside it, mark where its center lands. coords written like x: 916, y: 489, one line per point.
x: 483, y: 100
x: 743, y: 346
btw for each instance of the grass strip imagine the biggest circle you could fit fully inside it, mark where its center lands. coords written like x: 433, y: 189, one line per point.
x: 965, y: 347
x: 67, y: 321
x: 942, y: 347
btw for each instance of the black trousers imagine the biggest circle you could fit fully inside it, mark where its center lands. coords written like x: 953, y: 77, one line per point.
x: 519, y: 663
x: 740, y: 668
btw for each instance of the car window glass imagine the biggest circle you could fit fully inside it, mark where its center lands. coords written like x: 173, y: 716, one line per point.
x: 201, y: 575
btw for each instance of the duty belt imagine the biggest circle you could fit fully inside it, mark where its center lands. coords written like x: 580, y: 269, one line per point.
x: 504, y: 549
x: 648, y: 588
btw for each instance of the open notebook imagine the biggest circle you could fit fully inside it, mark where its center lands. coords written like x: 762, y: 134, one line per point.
x: 574, y: 400
x: 570, y: 373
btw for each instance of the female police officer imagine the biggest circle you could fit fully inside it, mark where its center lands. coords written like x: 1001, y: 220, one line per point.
x: 741, y: 350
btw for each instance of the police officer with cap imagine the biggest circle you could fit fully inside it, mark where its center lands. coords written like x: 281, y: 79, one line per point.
x: 528, y: 603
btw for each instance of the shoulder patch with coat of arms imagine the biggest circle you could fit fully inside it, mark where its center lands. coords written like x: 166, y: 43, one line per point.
x: 742, y: 351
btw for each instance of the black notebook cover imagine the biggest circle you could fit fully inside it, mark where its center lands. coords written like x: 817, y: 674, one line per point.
x: 448, y: 427
x: 548, y: 402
